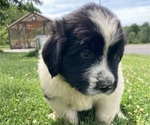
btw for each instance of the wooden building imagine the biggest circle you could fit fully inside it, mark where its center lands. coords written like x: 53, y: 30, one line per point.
x: 24, y: 32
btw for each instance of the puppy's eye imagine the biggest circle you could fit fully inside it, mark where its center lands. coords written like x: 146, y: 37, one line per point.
x: 86, y: 54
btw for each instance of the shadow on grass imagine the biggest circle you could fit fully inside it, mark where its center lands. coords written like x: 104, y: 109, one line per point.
x: 59, y: 122
x: 88, y: 118
x: 129, y: 119
x: 33, y: 53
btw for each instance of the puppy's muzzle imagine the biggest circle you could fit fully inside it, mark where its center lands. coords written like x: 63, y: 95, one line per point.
x: 105, y: 81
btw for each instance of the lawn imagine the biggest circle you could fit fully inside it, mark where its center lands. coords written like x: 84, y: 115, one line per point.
x: 22, y: 102
x: 4, y: 47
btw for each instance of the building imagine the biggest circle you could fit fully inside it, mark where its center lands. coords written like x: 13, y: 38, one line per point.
x: 26, y: 31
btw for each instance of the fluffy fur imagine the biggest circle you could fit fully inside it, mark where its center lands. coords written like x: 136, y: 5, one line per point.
x: 79, y: 64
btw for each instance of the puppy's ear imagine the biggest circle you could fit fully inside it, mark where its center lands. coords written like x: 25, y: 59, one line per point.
x: 52, y: 50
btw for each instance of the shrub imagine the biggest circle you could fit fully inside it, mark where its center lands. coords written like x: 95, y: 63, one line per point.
x: 33, y: 53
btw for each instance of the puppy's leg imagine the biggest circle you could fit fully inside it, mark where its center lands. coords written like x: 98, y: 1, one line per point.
x: 71, y: 116
x: 108, y: 106
x: 121, y: 116
x: 63, y: 111
x: 106, y: 109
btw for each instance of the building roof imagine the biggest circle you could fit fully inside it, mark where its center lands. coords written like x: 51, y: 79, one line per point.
x: 33, y: 21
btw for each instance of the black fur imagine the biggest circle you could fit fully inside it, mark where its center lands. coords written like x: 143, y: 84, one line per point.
x: 73, y: 38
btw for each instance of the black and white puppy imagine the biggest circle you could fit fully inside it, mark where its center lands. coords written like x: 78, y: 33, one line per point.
x: 79, y: 67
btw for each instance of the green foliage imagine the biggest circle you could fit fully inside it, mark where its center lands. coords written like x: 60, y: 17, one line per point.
x: 131, y: 37
x: 134, y: 28
x: 20, y: 5
x: 3, y: 36
x: 144, y: 34
x: 14, y: 14
x: 11, y: 11
x: 22, y: 102
x: 138, y: 34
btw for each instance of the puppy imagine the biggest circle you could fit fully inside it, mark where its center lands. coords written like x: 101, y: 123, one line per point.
x: 79, y: 65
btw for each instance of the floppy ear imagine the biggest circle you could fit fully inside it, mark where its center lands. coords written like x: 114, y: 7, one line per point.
x: 52, y: 49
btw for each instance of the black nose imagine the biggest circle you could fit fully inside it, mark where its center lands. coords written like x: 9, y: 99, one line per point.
x: 104, y: 86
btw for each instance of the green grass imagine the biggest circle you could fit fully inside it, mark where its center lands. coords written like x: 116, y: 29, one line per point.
x: 4, y: 46
x: 22, y: 102
x: 136, y: 99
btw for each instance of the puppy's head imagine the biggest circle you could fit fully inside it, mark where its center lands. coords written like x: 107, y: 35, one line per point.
x: 86, y: 47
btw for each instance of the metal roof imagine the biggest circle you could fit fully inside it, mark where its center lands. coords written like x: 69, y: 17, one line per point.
x: 32, y: 20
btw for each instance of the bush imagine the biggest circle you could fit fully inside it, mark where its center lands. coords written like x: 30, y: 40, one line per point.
x: 138, y: 34
x: 33, y: 53
x: 3, y: 36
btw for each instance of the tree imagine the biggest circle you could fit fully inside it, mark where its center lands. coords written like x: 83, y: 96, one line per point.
x: 14, y: 13
x: 20, y: 4
x: 134, y: 28
x: 138, y: 34
x: 146, y: 30
x: 146, y: 24
x: 131, y: 37
x: 143, y: 35
x: 10, y: 11
x: 3, y: 36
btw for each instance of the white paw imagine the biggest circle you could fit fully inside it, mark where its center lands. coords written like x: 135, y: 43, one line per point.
x: 121, y: 116
x: 72, y: 117
x: 52, y: 116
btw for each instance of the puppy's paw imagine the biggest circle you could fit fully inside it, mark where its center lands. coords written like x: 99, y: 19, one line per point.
x: 72, y: 117
x: 52, y: 116
x: 121, y: 116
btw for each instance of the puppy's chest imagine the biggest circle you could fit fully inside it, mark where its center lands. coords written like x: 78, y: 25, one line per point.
x: 62, y: 93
